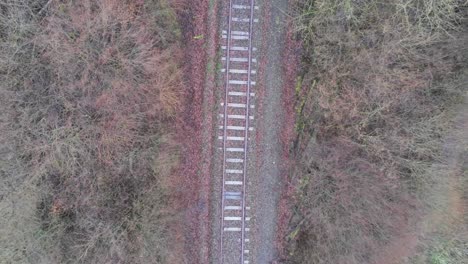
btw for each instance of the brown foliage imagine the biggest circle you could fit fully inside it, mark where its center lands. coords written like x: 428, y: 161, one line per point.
x: 93, y: 91
x: 373, y: 107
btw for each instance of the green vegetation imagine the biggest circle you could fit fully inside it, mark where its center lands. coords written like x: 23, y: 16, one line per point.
x: 88, y: 95
x: 376, y: 97
x: 448, y: 252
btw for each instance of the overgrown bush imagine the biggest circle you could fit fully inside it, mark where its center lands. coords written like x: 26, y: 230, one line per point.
x: 379, y: 79
x: 89, y: 93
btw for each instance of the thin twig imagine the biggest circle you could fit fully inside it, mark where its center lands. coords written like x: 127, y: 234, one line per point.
x: 44, y: 8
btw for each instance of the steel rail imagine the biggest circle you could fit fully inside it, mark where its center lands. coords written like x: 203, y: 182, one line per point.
x: 246, y: 129
x: 247, y: 118
x: 228, y: 47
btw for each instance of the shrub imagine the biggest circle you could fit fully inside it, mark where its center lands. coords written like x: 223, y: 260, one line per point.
x: 90, y: 90
x: 378, y: 82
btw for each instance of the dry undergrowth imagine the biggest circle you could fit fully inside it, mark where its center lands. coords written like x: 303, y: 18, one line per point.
x: 88, y: 91
x: 374, y: 101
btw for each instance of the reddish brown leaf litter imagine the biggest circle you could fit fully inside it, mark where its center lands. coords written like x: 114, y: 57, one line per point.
x: 192, y: 182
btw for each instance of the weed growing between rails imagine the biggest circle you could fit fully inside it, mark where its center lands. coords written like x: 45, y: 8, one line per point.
x: 90, y: 91
x: 374, y: 100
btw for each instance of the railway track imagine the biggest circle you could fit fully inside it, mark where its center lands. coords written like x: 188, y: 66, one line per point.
x: 236, y: 116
